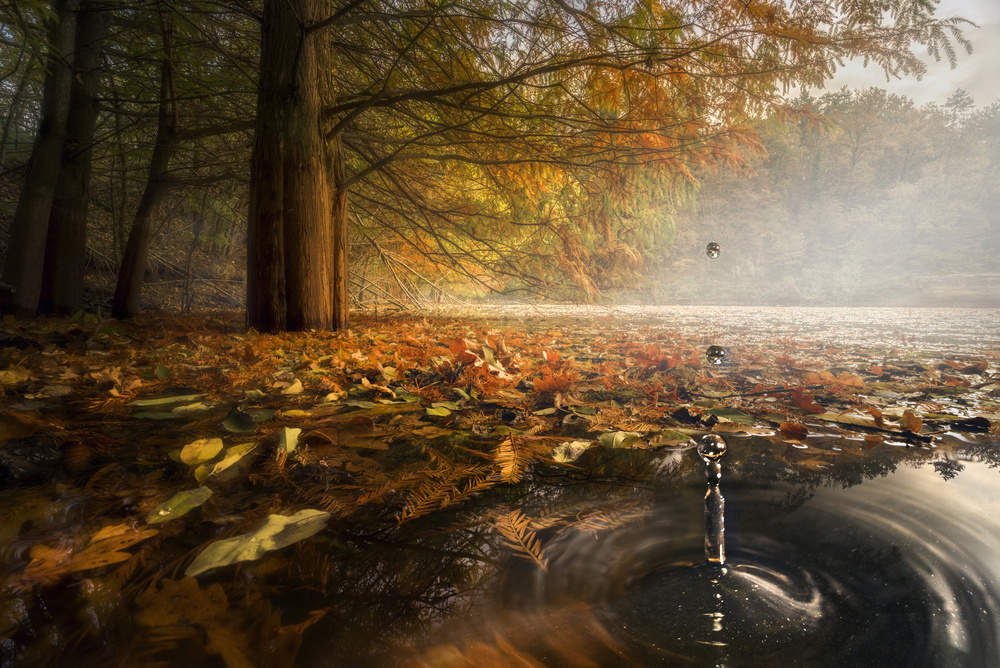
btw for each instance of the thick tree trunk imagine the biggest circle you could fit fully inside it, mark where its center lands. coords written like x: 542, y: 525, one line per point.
x: 26, y: 249
x: 296, y: 246
x: 62, y: 281
x: 130, y: 275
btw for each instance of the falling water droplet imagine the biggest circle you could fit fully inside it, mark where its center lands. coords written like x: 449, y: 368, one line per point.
x: 711, y: 446
x: 712, y: 250
x: 716, y: 354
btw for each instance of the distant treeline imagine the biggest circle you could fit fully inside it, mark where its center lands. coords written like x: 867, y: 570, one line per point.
x: 863, y: 199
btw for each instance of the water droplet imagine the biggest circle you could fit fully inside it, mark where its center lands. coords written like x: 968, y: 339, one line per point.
x: 716, y: 354
x: 712, y: 250
x: 163, y: 511
x: 711, y: 446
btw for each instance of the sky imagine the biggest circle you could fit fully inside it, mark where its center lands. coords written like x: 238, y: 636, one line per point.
x: 979, y: 74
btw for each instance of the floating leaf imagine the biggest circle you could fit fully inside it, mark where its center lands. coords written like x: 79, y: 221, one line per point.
x: 179, y: 504
x: 276, y: 532
x: 288, y: 439
x: 804, y: 400
x: 440, y: 411
x: 911, y: 422
x: 197, y: 452
x: 162, y: 372
x: 671, y: 438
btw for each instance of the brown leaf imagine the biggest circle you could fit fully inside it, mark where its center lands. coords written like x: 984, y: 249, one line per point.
x: 910, y: 422
x: 793, y: 430
x: 877, y: 414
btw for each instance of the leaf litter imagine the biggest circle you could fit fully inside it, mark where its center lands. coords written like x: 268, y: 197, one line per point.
x: 172, y: 457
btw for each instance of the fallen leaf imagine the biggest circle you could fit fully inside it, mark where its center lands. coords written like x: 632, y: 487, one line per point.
x: 793, y: 430
x: 276, y: 532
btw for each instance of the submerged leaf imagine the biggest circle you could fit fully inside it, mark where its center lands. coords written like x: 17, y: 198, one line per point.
x: 201, y: 450
x: 179, y: 504
x: 570, y: 451
x: 276, y: 532
x: 288, y: 439
x: 619, y: 439
x: 166, y: 401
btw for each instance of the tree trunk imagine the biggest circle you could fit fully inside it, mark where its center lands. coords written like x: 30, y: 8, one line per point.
x: 130, y: 275
x: 26, y: 249
x: 62, y: 281
x: 297, y: 228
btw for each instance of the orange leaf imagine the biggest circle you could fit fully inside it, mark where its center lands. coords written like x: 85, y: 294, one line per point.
x: 804, y: 400
x: 876, y: 369
x: 910, y: 422
x: 850, y: 379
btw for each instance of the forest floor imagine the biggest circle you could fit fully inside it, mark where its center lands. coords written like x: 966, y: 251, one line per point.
x: 142, y: 460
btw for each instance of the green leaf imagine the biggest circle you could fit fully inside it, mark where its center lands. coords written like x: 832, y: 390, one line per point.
x: 547, y: 411
x: 732, y: 414
x: 440, y: 411
x: 154, y: 415
x: 230, y: 466
x: 570, y: 451
x: 450, y: 405
x: 166, y: 401
x: 197, y: 452
x: 669, y: 437
x: 179, y: 504
x: 294, y: 388
x: 162, y: 372
x: 619, y: 439
x: 193, y: 409
x: 276, y: 532
x: 288, y: 439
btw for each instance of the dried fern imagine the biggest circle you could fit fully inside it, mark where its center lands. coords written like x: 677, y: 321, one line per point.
x: 517, y: 533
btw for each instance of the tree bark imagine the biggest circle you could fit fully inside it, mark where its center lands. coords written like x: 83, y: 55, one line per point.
x: 128, y: 290
x: 62, y: 280
x: 23, y: 264
x: 296, y: 242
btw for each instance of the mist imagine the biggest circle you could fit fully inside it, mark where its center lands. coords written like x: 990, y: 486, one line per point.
x: 880, y: 202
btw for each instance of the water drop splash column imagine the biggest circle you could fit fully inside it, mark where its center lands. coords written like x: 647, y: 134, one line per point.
x: 711, y: 448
